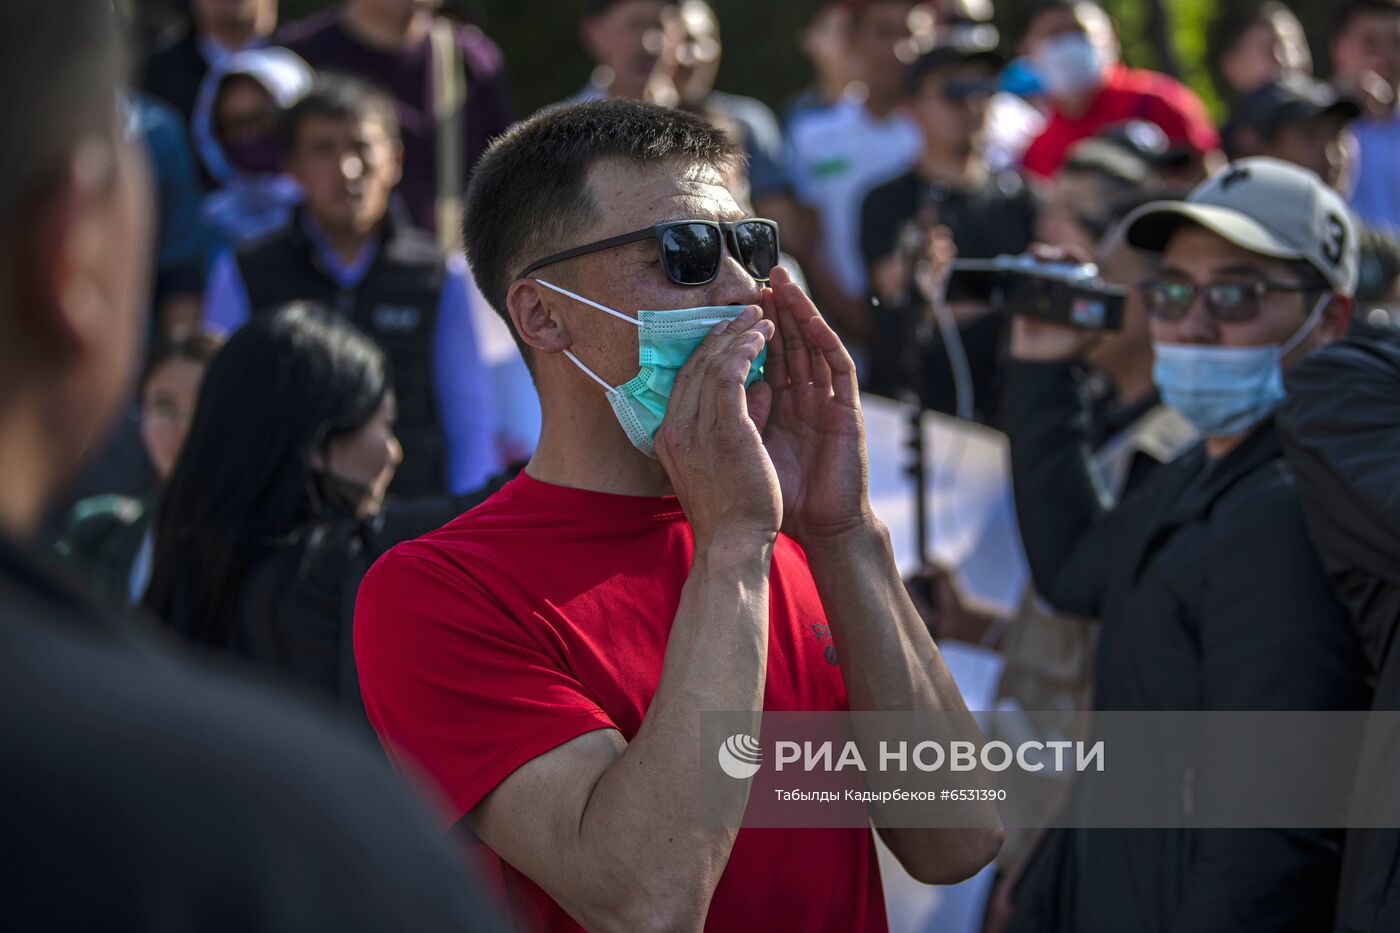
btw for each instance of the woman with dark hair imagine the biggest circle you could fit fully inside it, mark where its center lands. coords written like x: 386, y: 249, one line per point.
x: 108, y: 539
x: 275, y: 509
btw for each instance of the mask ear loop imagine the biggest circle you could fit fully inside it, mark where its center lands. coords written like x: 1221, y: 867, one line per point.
x: 592, y: 304
x: 586, y: 371
x: 1307, y: 327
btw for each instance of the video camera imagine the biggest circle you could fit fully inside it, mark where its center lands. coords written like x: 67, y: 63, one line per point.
x: 1067, y: 293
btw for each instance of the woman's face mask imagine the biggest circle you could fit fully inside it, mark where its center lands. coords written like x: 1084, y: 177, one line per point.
x: 1068, y: 64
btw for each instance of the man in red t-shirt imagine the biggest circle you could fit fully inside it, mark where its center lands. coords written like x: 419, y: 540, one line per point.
x: 1072, y: 49
x: 545, y: 658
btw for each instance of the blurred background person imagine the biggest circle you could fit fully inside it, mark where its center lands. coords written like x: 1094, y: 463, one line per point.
x: 696, y: 50
x: 838, y: 153
x: 1366, y: 64
x: 627, y: 39
x: 1048, y: 655
x: 825, y: 43
x: 1252, y: 46
x: 175, y: 71
x: 167, y: 784
x: 448, y: 83
x: 1298, y: 120
x: 236, y: 128
x: 346, y: 249
x: 983, y: 213
x: 1072, y: 49
x: 108, y: 542
x: 277, y: 508
x: 1102, y: 177
x: 1248, y: 47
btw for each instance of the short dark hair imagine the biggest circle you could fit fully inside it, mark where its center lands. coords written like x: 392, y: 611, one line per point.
x: 1349, y: 10
x: 62, y: 65
x: 339, y: 97
x: 529, y: 195
x: 196, y: 345
x: 1038, y: 8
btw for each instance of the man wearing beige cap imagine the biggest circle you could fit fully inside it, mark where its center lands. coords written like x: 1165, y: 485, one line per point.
x: 1207, y: 590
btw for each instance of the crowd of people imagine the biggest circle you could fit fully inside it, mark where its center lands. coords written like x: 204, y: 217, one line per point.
x: 473, y: 452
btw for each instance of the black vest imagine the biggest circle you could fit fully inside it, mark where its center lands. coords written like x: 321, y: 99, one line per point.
x: 396, y: 303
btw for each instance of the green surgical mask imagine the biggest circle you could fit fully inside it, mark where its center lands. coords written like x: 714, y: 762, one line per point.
x: 666, y: 339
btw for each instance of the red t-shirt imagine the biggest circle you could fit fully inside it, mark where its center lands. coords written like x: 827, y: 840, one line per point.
x: 1128, y: 94
x: 543, y: 614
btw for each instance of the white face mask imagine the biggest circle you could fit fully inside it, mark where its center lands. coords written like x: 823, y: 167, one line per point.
x: 1068, y: 64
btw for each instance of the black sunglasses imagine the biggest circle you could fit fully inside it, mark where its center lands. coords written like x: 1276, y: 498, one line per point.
x: 692, y: 250
x: 1226, y: 302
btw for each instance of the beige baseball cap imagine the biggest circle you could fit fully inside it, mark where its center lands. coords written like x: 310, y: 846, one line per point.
x: 1266, y: 206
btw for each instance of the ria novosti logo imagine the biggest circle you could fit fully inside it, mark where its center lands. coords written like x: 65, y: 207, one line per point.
x: 740, y: 756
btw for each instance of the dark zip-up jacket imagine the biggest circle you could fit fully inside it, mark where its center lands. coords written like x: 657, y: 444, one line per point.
x: 1340, y: 428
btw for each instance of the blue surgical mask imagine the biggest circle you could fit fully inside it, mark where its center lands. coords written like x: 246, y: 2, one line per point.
x: 666, y: 339
x: 1225, y: 391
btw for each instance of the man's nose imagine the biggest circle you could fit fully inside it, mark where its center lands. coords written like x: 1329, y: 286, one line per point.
x: 733, y: 285
x: 1198, y: 326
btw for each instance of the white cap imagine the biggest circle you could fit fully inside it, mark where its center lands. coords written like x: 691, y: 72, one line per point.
x: 1266, y: 206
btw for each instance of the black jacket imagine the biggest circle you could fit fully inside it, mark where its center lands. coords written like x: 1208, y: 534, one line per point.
x: 144, y: 791
x: 1340, y: 428
x: 396, y: 303
x: 297, y: 605
x: 1209, y: 596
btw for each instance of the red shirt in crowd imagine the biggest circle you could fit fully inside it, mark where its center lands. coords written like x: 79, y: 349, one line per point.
x: 1128, y: 94
x: 543, y: 614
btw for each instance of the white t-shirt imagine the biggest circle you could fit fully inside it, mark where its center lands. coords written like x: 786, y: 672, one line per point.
x: 837, y: 154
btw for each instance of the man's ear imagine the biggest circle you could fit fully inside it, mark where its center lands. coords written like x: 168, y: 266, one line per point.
x: 398, y: 163
x: 531, y: 311
x: 1336, y: 319
x: 588, y: 37
x: 58, y: 251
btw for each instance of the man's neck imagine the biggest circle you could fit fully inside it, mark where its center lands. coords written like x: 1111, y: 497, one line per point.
x: 882, y: 105
x: 1218, y: 448
x: 583, y: 447
x: 391, y: 33
x: 958, y: 169
x: 346, y: 242
x: 831, y: 89
x: 232, y: 36
x: 1075, y: 106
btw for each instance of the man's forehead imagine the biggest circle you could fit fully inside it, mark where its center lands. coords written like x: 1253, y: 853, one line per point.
x: 630, y: 196
x: 1195, y: 248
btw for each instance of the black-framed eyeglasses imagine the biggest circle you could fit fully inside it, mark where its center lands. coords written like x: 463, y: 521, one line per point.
x: 1226, y: 302
x: 692, y: 250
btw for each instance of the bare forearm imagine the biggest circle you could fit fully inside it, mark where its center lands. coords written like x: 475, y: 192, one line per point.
x: 890, y: 663
x: 643, y: 814
x: 888, y: 660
